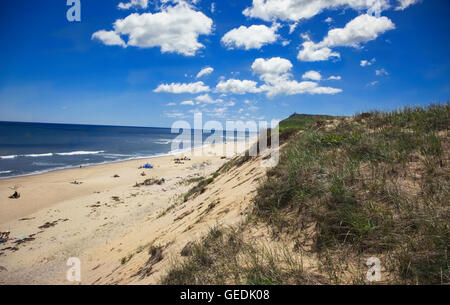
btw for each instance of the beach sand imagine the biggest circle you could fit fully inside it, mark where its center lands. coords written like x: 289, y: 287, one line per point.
x: 101, y: 219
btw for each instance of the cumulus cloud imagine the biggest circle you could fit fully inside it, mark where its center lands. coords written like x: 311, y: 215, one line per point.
x: 237, y: 86
x: 296, y: 10
x: 311, y: 52
x: 179, y: 88
x: 361, y: 29
x: 329, y: 20
x: 175, y: 29
x: 205, y: 71
x: 109, y: 38
x: 312, y: 75
x: 275, y: 72
x: 133, y: 4
x: 207, y: 99
x: 190, y: 103
x: 272, y: 69
x: 365, y: 63
x: 253, y: 37
x: 402, y: 4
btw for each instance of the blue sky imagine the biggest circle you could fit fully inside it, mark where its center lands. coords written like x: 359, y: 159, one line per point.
x: 53, y: 70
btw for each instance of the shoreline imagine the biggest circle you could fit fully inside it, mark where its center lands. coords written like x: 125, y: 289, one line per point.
x: 250, y: 141
x: 106, y: 217
x: 94, y: 178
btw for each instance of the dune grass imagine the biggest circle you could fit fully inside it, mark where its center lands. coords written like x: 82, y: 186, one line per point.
x: 378, y: 184
x: 223, y: 257
x: 373, y: 185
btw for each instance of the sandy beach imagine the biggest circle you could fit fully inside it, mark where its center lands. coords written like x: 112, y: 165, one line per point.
x: 55, y: 219
x: 98, y: 220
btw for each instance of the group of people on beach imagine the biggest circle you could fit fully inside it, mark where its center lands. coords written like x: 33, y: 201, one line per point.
x: 180, y: 160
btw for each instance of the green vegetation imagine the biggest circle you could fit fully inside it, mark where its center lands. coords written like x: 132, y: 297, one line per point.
x: 192, y: 180
x: 126, y: 259
x: 199, y: 188
x: 303, y: 121
x: 223, y: 257
x: 376, y: 185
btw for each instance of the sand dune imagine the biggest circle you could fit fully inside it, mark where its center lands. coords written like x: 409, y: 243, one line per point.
x: 105, y: 219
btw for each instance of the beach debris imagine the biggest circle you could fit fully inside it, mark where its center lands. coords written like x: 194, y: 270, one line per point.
x: 52, y: 224
x: 116, y: 176
x: 25, y: 239
x: 13, y: 249
x: 3, y: 269
x: 16, y: 195
x: 4, y: 236
x: 143, y: 174
x: 115, y: 198
x: 48, y: 224
x: 76, y: 182
x: 26, y: 218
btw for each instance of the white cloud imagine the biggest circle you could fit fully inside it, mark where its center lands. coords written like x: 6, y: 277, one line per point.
x: 402, y: 4
x: 272, y: 68
x: 171, y: 104
x: 175, y: 29
x: 361, y: 29
x: 292, y: 27
x: 329, y: 20
x: 365, y: 63
x: 311, y: 52
x: 213, y: 7
x: 275, y: 72
x: 312, y: 75
x: 178, y: 88
x: 334, y: 77
x: 237, y: 86
x: 205, y: 71
x: 133, y: 3
x: 206, y: 99
x: 191, y: 103
x: 291, y: 87
x: 371, y: 84
x: 253, y: 37
x: 296, y: 10
x: 381, y: 72
x: 109, y: 38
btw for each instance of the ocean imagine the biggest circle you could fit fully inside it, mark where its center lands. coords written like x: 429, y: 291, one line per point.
x: 32, y: 148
